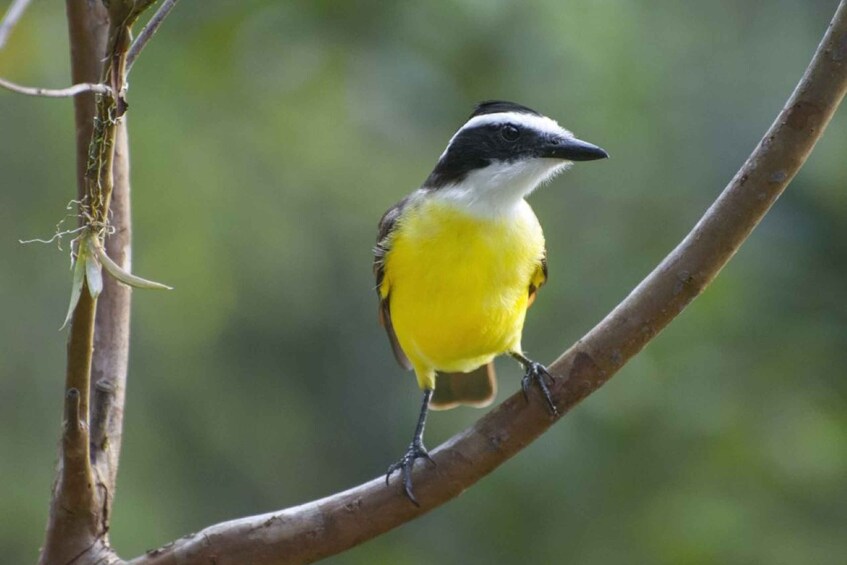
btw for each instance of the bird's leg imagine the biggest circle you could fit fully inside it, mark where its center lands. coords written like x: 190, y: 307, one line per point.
x: 416, y: 451
x: 535, y: 372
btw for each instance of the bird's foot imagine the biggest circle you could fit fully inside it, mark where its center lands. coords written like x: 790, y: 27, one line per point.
x: 538, y: 373
x: 406, y: 464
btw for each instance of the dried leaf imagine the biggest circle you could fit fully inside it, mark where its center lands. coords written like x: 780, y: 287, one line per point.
x: 123, y: 276
x: 93, y: 275
x: 76, y: 286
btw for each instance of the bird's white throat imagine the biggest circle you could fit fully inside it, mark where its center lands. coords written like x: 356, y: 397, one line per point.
x: 497, y: 189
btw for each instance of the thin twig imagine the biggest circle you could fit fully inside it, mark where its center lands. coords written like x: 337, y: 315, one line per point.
x: 56, y: 93
x: 325, y: 527
x: 148, y: 31
x: 13, y: 14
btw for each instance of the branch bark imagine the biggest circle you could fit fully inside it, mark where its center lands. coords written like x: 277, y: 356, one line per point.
x: 328, y: 526
x: 110, y: 358
x: 72, y: 527
x: 98, y: 344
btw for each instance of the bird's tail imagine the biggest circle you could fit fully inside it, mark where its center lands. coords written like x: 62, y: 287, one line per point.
x: 476, y: 388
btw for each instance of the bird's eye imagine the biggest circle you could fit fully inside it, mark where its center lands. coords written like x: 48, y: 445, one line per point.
x: 510, y: 132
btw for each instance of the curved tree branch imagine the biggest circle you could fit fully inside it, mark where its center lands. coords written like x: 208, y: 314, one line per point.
x: 330, y: 525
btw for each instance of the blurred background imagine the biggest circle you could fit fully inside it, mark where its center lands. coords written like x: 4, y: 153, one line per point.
x: 267, y: 139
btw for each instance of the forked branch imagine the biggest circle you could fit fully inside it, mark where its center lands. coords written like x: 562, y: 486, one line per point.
x: 148, y: 31
x: 330, y: 525
x: 78, y: 523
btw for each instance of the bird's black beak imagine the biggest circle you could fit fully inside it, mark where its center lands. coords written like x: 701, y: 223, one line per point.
x: 572, y: 149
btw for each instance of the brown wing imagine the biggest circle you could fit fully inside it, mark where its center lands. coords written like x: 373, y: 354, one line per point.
x: 381, y: 251
x: 538, y: 279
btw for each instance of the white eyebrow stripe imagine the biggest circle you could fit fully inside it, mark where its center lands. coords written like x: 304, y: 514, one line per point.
x: 538, y: 123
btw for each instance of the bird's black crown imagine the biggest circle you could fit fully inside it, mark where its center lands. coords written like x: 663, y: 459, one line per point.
x: 498, y: 106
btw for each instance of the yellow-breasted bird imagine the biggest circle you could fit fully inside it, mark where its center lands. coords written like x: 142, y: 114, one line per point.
x: 459, y: 261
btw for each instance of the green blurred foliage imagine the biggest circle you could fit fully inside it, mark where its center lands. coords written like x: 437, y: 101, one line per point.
x: 267, y: 139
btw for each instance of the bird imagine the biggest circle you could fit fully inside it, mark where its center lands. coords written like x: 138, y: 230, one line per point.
x: 458, y: 261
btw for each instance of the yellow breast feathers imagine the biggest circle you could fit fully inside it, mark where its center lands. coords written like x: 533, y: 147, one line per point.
x: 458, y: 285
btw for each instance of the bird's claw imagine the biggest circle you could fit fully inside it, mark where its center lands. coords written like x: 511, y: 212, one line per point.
x: 538, y: 373
x: 406, y: 464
